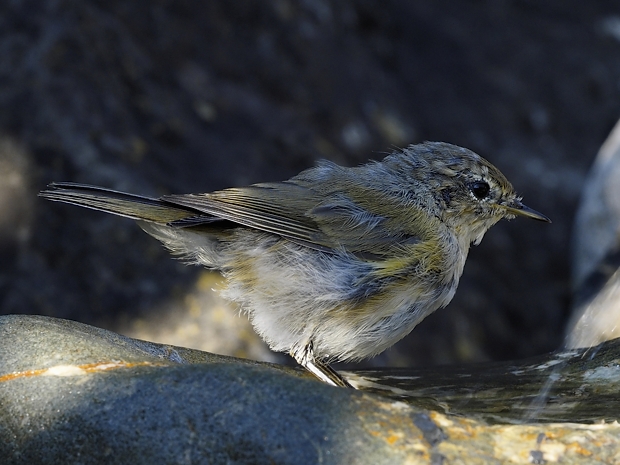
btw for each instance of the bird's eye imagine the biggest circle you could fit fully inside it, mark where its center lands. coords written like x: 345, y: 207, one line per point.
x: 480, y: 189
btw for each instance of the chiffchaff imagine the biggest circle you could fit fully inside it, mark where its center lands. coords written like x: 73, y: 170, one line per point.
x: 335, y: 263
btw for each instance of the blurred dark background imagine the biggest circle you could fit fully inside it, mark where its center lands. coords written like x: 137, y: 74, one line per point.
x: 182, y: 96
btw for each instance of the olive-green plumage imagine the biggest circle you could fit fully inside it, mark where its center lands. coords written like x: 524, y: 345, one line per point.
x: 335, y: 263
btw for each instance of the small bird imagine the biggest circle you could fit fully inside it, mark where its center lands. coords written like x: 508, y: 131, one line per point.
x: 335, y: 264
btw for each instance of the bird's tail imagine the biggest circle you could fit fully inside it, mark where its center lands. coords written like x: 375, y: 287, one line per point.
x: 131, y: 206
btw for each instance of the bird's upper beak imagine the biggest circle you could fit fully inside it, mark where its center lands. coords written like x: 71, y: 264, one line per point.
x: 517, y: 208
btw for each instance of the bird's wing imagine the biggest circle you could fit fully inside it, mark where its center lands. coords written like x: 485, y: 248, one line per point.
x: 277, y: 208
x: 324, y: 221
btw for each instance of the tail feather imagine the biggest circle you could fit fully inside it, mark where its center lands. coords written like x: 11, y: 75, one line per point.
x: 118, y: 203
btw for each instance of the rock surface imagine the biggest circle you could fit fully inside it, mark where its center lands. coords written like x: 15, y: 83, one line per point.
x: 71, y: 393
x: 596, y: 254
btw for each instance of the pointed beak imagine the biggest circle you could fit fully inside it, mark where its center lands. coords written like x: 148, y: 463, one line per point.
x: 517, y: 208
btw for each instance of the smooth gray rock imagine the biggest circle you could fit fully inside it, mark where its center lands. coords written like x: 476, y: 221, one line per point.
x: 71, y: 393
x: 596, y: 252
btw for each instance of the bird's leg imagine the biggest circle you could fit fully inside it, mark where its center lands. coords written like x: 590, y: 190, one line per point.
x: 305, y: 357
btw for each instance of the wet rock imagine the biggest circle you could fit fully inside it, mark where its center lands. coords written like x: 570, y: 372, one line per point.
x: 74, y: 393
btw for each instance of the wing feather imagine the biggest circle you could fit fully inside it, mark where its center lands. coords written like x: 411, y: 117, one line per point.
x: 277, y: 208
x: 324, y: 221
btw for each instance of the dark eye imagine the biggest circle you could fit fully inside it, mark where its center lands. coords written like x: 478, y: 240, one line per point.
x: 480, y: 189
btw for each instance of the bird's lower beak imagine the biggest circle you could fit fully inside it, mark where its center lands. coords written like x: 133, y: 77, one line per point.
x: 517, y: 208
